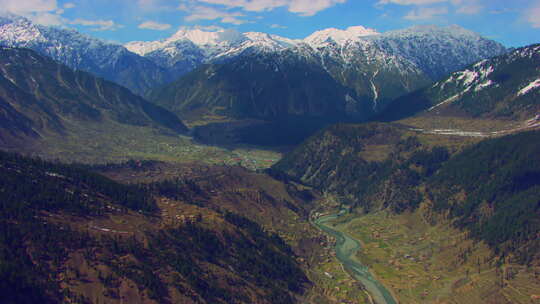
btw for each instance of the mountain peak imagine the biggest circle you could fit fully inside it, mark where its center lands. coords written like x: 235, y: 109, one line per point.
x: 207, y: 38
x: 6, y: 17
x: 339, y: 36
x: 213, y: 44
x: 14, y: 28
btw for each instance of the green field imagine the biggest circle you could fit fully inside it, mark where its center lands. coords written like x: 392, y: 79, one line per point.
x: 114, y: 143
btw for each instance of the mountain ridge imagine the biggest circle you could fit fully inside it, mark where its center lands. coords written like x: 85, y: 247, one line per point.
x: 82, y: 52
x: 226, y: 44
x: 168, y: 59
x: 42, y: 99
x: 503, y: 87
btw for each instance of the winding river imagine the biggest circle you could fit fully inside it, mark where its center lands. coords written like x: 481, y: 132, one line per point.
x: 346, y: 248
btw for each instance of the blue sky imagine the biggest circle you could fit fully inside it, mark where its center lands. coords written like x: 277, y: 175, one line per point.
x: 511, y: 22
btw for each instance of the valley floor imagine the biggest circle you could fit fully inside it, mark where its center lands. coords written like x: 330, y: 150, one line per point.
x: 424, y: 263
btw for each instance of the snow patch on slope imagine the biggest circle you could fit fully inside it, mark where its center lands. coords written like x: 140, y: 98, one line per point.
x: 448, y: 100
x: 531, y: 86
x: 483, y: 85
x: 477, y: 77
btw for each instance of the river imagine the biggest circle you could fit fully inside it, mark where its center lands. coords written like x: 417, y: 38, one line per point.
x: 346, y: 247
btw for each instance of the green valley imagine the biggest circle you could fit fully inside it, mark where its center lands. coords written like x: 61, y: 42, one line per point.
x: 351, y: 166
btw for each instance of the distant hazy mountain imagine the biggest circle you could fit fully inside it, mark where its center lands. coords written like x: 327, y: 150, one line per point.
x: 81, y: 52
x: 504, y: 87
x: 40, y: 97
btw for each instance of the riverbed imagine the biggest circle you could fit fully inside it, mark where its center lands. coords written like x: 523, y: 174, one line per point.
x: 346, y: 248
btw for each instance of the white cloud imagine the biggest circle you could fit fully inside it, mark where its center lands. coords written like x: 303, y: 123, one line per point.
x: 311, y: 7
x: 465, y: 7
x: 155, y: 5
x: 44, y: 12
x: 24, y: 7
x: 210, y: 13
x: 209, y: 28
x: 147, y: 2
x: 99, y: 25
x: 151, y: 25
x: 278, y: 26
x: 470, y: 9
x: 232, y: 20
x: 410, y: 2
x: 426, y: 13
x: 253, y: 6
x: 47, y: 19
x: 533, y: 15
x: 69, y: 5
x: 301, y: 7
x: 502, y: 11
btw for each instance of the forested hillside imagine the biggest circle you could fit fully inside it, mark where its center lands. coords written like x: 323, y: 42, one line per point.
x: 492, y: 190
x: 72, y: 236
x: 487, y: 188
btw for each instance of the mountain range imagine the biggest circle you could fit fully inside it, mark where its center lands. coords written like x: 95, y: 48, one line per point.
x: 332, y: 75
x: 376, y: 67
x: 81, y: 52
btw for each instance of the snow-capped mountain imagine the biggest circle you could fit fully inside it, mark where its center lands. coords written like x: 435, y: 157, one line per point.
x: 506, y: 87
x: 340, y: 37
x: 212, y: 43
x: 377, y: 66
x: 357, y: 72
x: 382, y: 67
x: 110, y: 61
x: 434, y: 50
x: 438, y: 51
x: 187, y: 49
